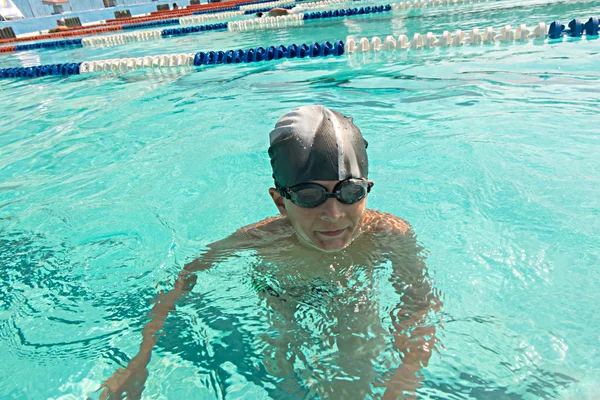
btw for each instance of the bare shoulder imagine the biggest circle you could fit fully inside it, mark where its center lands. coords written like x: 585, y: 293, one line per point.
x: 253, y: 236
x: 256, y: 234
x: 377, y: 221
x: 269, y: 228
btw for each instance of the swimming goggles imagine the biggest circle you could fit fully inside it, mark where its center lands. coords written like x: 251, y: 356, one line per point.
x: 311, y: 195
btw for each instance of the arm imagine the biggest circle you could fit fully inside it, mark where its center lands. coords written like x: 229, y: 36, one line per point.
x: 130, y: 380
x: 413, y: 338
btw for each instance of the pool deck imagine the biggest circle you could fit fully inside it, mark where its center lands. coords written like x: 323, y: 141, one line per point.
x: 34, y: 26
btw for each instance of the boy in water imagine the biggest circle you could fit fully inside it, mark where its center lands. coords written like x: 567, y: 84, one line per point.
x: 320, y: 168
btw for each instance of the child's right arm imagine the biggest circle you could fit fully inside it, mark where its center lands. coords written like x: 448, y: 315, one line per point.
x: 131, y: 380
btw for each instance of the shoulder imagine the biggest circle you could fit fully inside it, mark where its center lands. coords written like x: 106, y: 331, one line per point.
x: 377, y: 221
x: 273, y: 226
x: 254, y: 236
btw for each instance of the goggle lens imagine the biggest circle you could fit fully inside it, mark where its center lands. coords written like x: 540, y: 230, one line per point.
x: 311, y: 195
x: 308, y: 197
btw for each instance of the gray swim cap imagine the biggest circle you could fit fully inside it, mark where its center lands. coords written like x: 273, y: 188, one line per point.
x: 314, y: 143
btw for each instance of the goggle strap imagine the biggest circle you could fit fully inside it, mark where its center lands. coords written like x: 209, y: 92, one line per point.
x: 282, y: 191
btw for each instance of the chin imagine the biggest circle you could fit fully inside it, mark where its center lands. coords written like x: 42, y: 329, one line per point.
x: 332, y: 249
x: 331, y: 246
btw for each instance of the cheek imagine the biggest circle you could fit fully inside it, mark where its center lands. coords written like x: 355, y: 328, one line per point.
x: 355, y: 211
x: 301, y: 218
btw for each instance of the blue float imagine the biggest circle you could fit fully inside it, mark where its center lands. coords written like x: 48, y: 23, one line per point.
x: 556, y: 30
x: 239, y: 56
x: 269, y: 53
x: 303, y: 51
x: 280, y: 52
x: 315, y: 49
x: 228, y: 57
x: 291, y: 51
x: 591, y: 27
x: 326, y: 49
x: 248, y: 55
x: 575, y: 28
x: 260, y: 54
x: 209, y: 58
x: 41, y: 70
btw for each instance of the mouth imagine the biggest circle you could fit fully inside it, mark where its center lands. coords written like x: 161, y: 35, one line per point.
x: 332, y: 234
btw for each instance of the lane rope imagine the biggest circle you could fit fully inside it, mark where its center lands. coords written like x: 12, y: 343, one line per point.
x: 165, y: 61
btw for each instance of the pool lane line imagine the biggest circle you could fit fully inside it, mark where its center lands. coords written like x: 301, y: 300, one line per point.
x: 554, y: 32
x: 275, y: 22
x: 239, y: 56
x: 147, y: 35
x: 117, y: 24
x: 575, y: 28
x: 183, y: 20
x: 253, y: 24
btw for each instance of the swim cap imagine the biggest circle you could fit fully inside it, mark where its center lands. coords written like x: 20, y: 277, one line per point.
x: 314, y: 143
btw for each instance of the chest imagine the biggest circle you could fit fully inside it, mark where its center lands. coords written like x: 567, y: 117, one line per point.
x: 349, y: 301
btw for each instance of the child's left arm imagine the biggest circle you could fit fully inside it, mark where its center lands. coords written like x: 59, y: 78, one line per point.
x: 414, y: 337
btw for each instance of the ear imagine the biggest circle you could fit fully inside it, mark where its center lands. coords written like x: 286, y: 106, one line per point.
x: 278, y: 200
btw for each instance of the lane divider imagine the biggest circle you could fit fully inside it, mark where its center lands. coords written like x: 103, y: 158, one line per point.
x: 193, y: 29
x: 46, y: 45
x: 273, y: 4
x: 347, y: 12
x: 291, y: 20
x: 257, y: 54
x: 435, y: 3
x: 266, y: 23
x: 63, y: 34
x: 236, y: 26
x: 555, y: 31
x: 318, y: 4
x: 575, y: 28
x: 110, y: 40
x: 506, y: 34
x: 143, y: 25
x: 114, y: 40
x: 117, y: 24
x: 235, y: 10
x: 195, y: 19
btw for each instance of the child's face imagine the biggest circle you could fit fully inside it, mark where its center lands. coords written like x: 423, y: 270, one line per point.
x: 329, y: 227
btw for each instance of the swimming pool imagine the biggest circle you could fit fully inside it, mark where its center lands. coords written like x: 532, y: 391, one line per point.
x: 109, y: 182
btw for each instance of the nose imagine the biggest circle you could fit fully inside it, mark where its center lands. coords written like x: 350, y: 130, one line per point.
x: 332, y: 210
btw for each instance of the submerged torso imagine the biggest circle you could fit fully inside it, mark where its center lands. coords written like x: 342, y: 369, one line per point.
x: 331, y: 327
x: 319, y: 323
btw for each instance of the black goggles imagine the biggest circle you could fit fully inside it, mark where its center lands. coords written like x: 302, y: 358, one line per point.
x: 311, y: 195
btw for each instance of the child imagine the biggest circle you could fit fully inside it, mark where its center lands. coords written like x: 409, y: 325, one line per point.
x: 323, y: 258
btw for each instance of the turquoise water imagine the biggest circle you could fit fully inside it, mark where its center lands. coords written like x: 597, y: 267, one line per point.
x: 109, y: 183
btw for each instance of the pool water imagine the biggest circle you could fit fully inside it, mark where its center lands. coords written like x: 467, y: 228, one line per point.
x: 109, y: 184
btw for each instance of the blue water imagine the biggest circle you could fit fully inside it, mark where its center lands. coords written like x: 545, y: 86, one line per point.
x: 109, y: 183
